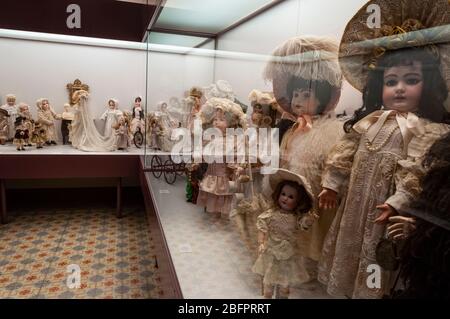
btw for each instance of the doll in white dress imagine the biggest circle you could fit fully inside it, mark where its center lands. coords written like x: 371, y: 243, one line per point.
x: 291, y: 212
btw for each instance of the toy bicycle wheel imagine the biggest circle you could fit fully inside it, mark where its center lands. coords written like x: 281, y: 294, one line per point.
x: 138, y: 139
x: 156, y: 164
x: 170, y: 174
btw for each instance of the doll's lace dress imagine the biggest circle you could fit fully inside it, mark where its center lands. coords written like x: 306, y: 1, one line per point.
x: 279, y: 262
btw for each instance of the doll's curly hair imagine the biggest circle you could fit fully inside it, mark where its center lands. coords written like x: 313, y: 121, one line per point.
x: 425, y: 256
x: 304, y: 203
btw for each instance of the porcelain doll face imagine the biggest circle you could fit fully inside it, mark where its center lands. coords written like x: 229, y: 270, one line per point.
x: 137, y: 102
x: 402, y: 87
x: 11, y: 101
x: 220, y: 122
x: 304, y: 101
x: 288, y: 198
x: 112, y: 104
x: 121, y: 120
x: 24, y: 108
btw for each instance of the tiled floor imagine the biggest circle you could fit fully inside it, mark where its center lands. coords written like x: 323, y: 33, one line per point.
x: 209, y: 257
x: 114, y: 255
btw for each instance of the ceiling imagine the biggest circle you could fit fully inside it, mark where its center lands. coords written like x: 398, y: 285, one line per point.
x: 185, y: 23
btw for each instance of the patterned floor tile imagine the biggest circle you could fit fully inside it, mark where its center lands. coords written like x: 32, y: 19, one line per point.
x: 37, y: 247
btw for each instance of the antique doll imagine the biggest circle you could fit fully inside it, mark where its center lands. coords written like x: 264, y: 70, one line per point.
x: 168, y: 123
x: 155, y: 133
x: 306, y: 81
x: 249, y: 201
x: 194, y: 104
x: 137, y: 116
x: 39, y: 135
x: 66, y: 120
x: 377, y: 164
x: 222, y: 89
x: 24, y: 112
x: 83, y: 133
x: 4, y: 128
x: 21, y: 134
x: 111, y: 116
x: 11, y: 108
x: 47, y: 117
x: 278, y: 260
x: 214, y: 189
x: 122, y: 133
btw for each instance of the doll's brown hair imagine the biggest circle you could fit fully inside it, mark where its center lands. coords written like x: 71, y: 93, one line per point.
x: 304, y: 203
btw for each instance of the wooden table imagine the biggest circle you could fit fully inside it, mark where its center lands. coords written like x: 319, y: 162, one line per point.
x: 56, y: 166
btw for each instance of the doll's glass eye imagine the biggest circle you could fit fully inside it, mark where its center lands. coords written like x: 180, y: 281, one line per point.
x: 412, y: 81
x: 391, y: 83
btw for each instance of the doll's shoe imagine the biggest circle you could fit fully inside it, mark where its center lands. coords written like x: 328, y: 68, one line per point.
x: 53, y: 142
x: 39, y: 147
x: 18, y: 148
x: 48, y: 143
x: 29, y: 145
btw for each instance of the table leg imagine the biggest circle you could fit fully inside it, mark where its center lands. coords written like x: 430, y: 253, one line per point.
x: 119, y: 198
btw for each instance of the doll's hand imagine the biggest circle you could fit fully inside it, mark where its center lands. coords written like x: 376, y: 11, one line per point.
x: 386, y: 212
x: 400, y: 227
x: 327, y: 199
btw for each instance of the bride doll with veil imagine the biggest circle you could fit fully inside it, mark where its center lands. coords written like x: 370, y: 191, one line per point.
x: 83, y: 133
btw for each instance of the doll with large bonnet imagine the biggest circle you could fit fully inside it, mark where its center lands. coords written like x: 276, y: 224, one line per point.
x: 402, y: 70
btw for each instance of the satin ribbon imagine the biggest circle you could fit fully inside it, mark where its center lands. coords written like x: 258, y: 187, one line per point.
x: 409, y: 124
x: 303, y: 123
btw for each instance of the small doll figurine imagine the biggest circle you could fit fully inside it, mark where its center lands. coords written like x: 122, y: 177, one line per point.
x: 215, y: 193
x: 47, y: 117
x: 156, y: 132
x: 194, y: 103
x: 11, y: 108
x: 39, y: 135
x: 377, y: 165
x: 21, y: 134
x: 24, y: 112
x: 67, y: 117
x: 264, y: 109
x: 278, y: 227
x: 137, y: 116
x: 4, y: 128
x: 122, y: 132
x: 111, y: 116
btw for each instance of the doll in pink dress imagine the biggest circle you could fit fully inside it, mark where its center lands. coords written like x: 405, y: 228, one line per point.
x: 215, y: 194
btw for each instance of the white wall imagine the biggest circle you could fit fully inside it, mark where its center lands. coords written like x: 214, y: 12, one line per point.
x: 34, y: 69
x: 264, y: 33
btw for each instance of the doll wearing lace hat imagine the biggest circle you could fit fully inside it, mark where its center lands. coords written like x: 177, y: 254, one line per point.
x: 291, y: 212
x: 215, y: 194
x: 376, y: 166
x: 306, y: 81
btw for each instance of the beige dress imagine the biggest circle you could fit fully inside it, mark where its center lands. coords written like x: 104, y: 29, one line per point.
x: 389, y: 175
x: 279, y: 262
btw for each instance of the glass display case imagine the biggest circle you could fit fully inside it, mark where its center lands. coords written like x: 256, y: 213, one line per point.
x: 222, y: 108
